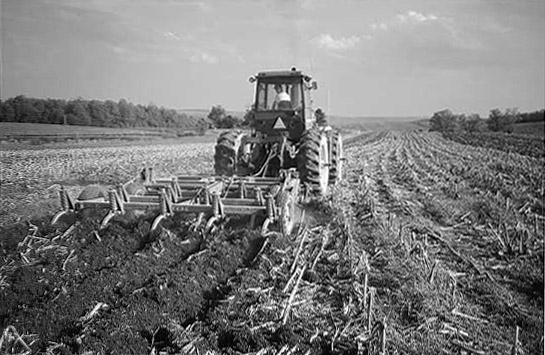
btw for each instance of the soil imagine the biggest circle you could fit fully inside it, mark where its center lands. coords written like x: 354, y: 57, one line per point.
x: 446, y: 236
x: 146, y: 287
x: 123, y: 291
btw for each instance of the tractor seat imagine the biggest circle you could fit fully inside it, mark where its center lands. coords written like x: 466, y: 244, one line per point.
x: 284, y: 105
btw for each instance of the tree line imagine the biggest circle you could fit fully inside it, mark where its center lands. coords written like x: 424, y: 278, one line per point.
x: 497, y: 121
x: 94, y: 113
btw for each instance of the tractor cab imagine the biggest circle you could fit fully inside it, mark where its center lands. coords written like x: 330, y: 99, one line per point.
x: 283, y: 105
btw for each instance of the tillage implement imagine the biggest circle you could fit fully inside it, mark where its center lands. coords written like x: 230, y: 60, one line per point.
x: 288, y: 155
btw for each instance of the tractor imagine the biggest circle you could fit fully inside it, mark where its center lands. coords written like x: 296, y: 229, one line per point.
x: 285, y: 135
x: 287, y: 155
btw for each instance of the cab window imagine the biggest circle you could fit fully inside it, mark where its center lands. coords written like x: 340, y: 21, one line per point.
x: 268, y: 98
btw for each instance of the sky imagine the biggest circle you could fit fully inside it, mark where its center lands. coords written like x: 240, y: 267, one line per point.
x: 369, y: 57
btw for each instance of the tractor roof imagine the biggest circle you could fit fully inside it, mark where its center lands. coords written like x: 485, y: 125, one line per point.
x: 280, y: 73
x: 283, y: 73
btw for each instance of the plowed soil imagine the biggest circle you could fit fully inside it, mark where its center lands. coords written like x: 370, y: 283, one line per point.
x: 426, y: 247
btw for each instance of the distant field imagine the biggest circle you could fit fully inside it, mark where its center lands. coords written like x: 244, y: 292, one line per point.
x: 360, y: 123
x: 14, y: 130
x: 19, y: 135
x: 379, y: 123
x: 533, y: 128
x: 203, y: 113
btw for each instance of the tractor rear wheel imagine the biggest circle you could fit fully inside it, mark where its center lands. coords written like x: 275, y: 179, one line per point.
x: 227, y: 150
x: 336, y: 167
x: 312, y: 161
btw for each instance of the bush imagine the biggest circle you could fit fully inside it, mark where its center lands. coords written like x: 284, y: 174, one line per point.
x: 446, y: 121
x: 474, y: 123
x: 502, y: 121
x: 220, y: 119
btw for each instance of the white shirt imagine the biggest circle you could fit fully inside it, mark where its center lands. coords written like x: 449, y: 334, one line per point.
x: 282, y: 96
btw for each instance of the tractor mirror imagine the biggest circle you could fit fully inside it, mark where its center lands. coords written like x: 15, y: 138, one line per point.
x: 251, y: 79
x: 314, y: 85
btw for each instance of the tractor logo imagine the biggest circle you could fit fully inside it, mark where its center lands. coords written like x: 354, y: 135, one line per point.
x: 279, y: 124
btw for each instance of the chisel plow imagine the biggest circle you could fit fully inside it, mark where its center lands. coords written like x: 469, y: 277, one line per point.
x: 267, y: 201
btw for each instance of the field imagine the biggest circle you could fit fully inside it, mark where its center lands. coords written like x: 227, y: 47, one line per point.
x: 531, y: 128
x: 21, y: 135
x: 349, y: 124
x: 428, y: 246
x: 524, y: 144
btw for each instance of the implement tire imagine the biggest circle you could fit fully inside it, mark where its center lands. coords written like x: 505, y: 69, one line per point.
x: 336, y: 167
x: 227, y: 150
x: 312, y: 161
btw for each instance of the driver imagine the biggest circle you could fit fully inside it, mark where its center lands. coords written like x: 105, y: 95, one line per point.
x: 282, y: 101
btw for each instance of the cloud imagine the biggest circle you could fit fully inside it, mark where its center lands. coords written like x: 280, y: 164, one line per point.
x: 408, y: 18
x: 172, y: 35
x: 427, y: 40
x: 199, y: 56
x: 416, y: 17
x: 196, y: 50
x: 341, y: 44
x: 379, y: 26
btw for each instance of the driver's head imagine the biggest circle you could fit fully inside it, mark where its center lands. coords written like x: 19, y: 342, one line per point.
x: 278, y: 87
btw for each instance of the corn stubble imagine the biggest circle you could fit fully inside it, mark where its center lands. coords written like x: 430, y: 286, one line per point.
x: 427, y: 246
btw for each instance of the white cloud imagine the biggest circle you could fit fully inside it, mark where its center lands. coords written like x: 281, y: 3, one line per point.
x: 379, y: 26
x: 198, y: 56
x: 326, y: 41
x: 416, y: 17
x: 171, y: 35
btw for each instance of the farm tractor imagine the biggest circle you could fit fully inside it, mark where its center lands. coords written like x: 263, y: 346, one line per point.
x: 286, y: 157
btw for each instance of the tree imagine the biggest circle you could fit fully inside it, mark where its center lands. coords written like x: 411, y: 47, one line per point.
x: 473, y: 123
x: 536, y: 116
x: 99, y: 114
x: 77, y: 114
x: 249, y: 117
x: 25, y: 111
x: 445, y: 121
x: 216, y: 115
x: 7, y: 112
x: 502, y: 121
x: 494, y: 120
x: 115, y: 116
x: 229, y: 122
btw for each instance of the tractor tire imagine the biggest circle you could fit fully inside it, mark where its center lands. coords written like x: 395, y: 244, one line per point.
x: 336, y: 167
x: 227, y: 150
x: 312, y: 161
x: 92, y: 192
